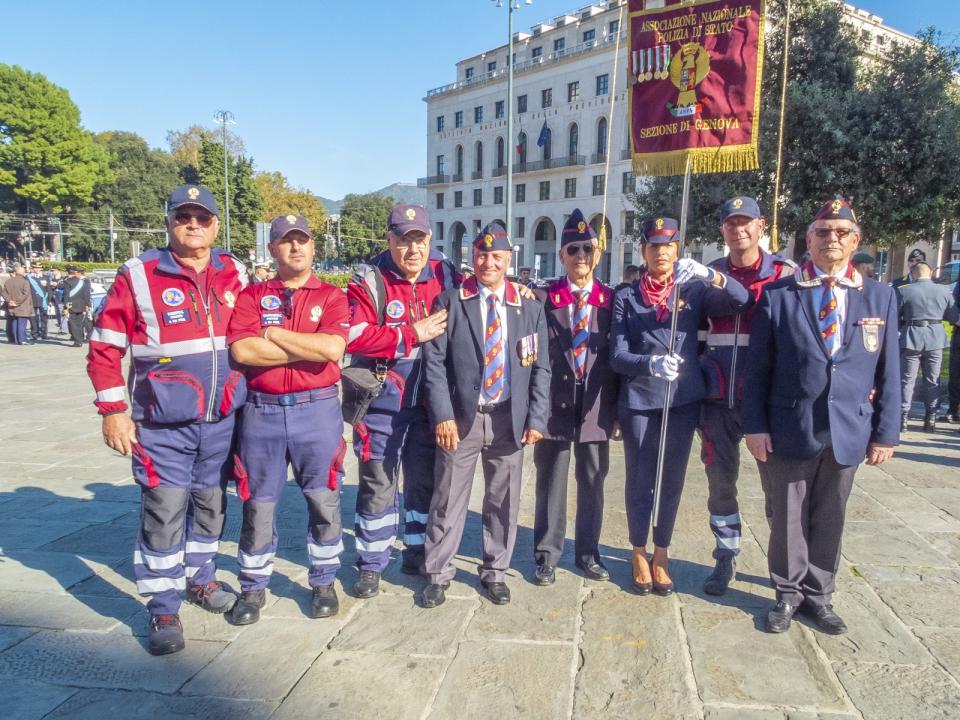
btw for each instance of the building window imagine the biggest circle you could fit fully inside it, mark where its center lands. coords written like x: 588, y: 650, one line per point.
x: 522, y: 148
x: 501, y: 154
x: 629, y: 222
x: 478, y: 197
x: 559, y: 44
x: 478, y: 158
x: 546, y: 98
x: 598, y: 185
x: 476, y: 227
x: 460, y: 161
x: 548, y: 144
x: 521, y: 104
x: 521, y: 192
x: 603, y: 84
x: 458, y: 198
x: 614, y: 27
x: 545, y: 190
x: 498, y: 195
x: 440, y: 164
x: 492, y: 66
x: 439, y: 201
x: 570, y: 188
x: 468, y: 73
x: 573, y: 91
x: 521, y: 227
x: 478, y: 114
x: 628, y: 184
x: 498, y: 110
x: 440, y: 232
x: 537, y: 53
x: 458, y: 119
x: 589, y: 35
x: 574, y: 144
x: 440, y: 120
x: 602, y: 137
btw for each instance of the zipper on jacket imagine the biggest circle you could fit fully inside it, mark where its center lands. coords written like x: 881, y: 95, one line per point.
x: 213, y: 344
x: 731, y: 388
x: 415, y: 394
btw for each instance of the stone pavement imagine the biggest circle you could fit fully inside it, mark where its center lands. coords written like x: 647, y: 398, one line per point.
x: 72, y: 627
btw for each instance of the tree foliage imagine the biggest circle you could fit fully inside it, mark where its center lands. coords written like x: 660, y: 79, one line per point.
x: 363, y: 226
x: 246, y: 203
x: 185, y: 147
x: 281, y: 198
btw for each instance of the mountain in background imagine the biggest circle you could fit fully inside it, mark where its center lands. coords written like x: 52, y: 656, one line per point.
x: 402, y: 192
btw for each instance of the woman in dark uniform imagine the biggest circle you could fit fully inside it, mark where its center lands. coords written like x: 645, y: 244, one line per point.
x: 640, y: 337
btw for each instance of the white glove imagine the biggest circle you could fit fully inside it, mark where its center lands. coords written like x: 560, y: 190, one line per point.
x: 687, y: 269
x: 666, y: 366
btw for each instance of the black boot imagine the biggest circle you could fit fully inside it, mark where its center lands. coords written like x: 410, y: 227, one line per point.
x: 930, y: 422
x: 324, y: 602
x: 903, y: 422
x: 247, y: 609
x: 166, y: 635
x: 723, y: 572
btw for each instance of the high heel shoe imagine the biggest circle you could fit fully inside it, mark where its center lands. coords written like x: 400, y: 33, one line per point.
x: 641, y: 588
x: 662, y: 589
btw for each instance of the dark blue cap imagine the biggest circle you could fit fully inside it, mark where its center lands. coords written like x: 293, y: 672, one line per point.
x: 192, y: 195
x: 740, y: 205
x: 659, y: 230
x: 492, y: 237
x: 404, y: 218
x: 917, y: 254
x: 836, y: 209
x: 576, y: 228
x: 283, y: 224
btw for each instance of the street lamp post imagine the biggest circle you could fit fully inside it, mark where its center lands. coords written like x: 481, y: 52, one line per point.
x: 224, y: 118
x: 511, y: 6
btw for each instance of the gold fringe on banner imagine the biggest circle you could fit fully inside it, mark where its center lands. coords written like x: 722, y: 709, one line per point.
x: 731, y: 158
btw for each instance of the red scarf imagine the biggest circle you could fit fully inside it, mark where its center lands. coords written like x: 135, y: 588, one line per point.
x: 655, y: 293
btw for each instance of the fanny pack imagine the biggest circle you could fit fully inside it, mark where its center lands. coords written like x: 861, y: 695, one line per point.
x: 361, y: 386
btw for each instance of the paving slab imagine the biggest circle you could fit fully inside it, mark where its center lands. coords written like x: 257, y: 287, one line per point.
x: 947, y: 543
x: 892, y: 692
x: 10, y: 636
x: 63, y: 611
x: 631, y: 660
x: 40, y: 571
x: 338, y: 686
x: 99, y: 704
x: 506, y: 680
x: 28, y: 700
x: 888, y: 544
x: 102, y: 660
x: 945, y: 646
x: 114, y: 539
x: 919, y: 597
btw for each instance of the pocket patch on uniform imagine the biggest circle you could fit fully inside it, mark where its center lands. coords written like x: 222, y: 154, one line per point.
x: 175, y: 317
x: 870, y: 327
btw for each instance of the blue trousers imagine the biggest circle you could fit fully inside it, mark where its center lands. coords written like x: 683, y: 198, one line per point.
x: 641, y: 440
x: 182, y: 471
x: 17, y: 330
x: 309, y: 437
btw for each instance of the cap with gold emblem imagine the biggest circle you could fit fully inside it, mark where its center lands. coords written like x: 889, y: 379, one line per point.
x: 659, y: 230
x: 836, y: 209
x: 283, y: 224
x: 741, y: 205
x: 576, y: 229
x: 404, y: 218
x: 493, y: 237
x: 192, y: 195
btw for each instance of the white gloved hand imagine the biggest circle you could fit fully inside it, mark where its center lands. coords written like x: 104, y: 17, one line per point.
x: 665, y: 366
x: 687, y: 269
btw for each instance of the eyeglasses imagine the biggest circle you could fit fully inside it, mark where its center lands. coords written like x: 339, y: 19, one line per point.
x: 575, y: 249
x: 287, y: 306
x: 824, y: 233
x: 183, y: 217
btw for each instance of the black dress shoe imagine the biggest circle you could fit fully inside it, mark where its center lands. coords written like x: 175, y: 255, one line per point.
x: 166, y: 635
x: 433, y: 595
x: 411, y: 563
x: 903, y: 422
x: 325, y: 602
x: 498, y: 592
x: 593, y: 569
x: 544, y: 575
x: 367, y: 585
x: 930, y: 423
x: 825, y: 619
x: 246, y: 611
x: 778, y: 619
x: 718, y: 581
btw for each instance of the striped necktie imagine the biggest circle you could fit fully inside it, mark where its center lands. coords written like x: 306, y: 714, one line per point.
x: 493, y: 353
x: 829, y: 319
x: 581, y: 333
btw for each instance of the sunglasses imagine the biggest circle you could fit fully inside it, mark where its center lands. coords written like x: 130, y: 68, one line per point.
x: 183, y: 217
x: 824, y: 233
x: 287, y: 306
x: 575, y: 249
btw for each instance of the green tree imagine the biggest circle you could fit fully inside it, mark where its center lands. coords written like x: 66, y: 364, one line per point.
x: 246, y: 204
x: 363, y: 226
x: 185, y: 147
x: 281, y: 198
x: 47, y: 160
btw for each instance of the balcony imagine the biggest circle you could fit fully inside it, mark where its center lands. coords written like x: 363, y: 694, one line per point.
x: 457, y: 178
x: 551, y: 164
x: 598, y: 158
x: 498, y: 171
x: 476, y: 175
x: 433, y: 180
x: 626, y: 155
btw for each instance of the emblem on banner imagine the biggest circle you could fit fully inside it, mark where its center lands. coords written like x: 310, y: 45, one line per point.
x: 651, y: 63
x: 687, y: 70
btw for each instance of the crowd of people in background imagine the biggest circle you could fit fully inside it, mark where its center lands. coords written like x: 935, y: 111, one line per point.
x: 34, y: 298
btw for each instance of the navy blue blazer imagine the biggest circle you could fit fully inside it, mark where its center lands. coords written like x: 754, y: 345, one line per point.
x: 797, y: 394
x: 636, y: 334
x: 453, y: 362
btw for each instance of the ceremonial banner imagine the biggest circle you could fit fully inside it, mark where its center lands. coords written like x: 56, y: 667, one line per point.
x: 694, y: 75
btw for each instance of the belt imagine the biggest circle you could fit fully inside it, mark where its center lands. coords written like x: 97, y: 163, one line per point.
x: 491, y: 407
x: 921, y: 323
x: 291, y: 399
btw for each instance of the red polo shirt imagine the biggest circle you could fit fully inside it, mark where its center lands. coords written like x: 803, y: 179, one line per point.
x: 317, y: 307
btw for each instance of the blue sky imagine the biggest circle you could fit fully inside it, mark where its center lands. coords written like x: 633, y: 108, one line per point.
x: 328, y: 92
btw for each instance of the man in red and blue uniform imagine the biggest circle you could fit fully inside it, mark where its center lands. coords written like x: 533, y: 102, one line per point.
x: 289, y: 333
x: 721, y: 431
x: 390, y: 298
x: 170, y: 307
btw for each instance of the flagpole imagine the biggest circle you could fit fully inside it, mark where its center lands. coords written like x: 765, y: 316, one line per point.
x: 674, y: 316
x: 775, y: 227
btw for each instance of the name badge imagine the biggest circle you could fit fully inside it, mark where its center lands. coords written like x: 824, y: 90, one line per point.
x: 271, y: 318
x: 175, y: 317
x: 527, y: 349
